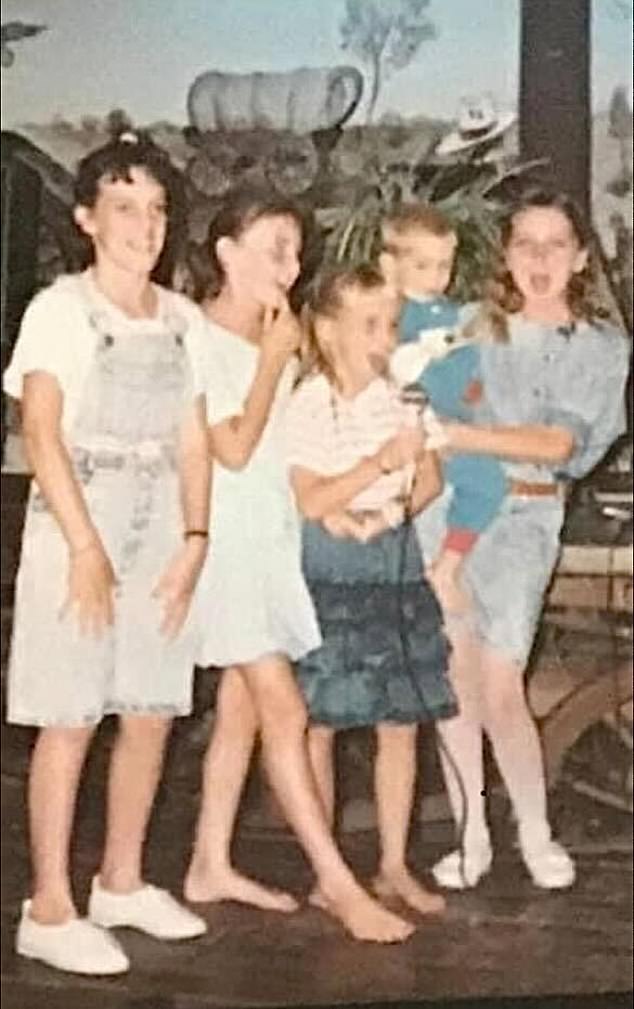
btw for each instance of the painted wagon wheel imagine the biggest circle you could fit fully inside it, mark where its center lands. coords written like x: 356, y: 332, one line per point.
x: 292, y: 165
x: 598, y: 702
x: 210, y: 177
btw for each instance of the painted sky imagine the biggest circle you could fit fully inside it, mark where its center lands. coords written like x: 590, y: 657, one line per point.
x: 143, y: 54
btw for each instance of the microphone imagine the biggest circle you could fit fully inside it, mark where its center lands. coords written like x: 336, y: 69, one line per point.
x: 422, y: 412
x: 414, y: 396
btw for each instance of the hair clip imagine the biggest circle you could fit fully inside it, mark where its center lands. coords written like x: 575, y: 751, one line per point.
x: 128, y: 138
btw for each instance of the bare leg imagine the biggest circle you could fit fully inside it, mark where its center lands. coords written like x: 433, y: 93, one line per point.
x: 283, y: 719
x: 320, y: 752
x: 445, y: 576
x: 135, y: 769
x: 394, y: 780
x: 211, y: 876
x: 320, y: 746
x: 511, y: 729
x: 56, y: 764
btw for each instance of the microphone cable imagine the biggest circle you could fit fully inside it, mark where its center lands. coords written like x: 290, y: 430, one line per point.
x: 416, y: 398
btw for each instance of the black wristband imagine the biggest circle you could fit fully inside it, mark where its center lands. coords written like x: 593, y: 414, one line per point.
x: 202, y: 533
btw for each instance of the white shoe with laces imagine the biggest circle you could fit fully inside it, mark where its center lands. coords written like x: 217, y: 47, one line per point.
x: 148, y: 909
x: 549, y: 864
x: 77, y: 945
x: 458, y: 871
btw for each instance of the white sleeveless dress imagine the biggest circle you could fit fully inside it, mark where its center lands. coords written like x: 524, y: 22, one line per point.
x: 252, y: 597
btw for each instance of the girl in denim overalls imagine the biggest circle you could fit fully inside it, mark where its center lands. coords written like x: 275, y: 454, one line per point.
x: 554, y: 378
x: 114, y: 540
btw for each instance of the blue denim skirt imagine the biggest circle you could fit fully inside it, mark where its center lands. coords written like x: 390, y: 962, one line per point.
x: 508, y: 570
x: 384, y: 654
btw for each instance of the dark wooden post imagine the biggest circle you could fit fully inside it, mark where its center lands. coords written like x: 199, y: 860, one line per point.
x: 555, y: 115
x: 21, y: 196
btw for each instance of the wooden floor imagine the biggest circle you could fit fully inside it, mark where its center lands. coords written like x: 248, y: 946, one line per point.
x: 502, y: 945
x: 504, y: 940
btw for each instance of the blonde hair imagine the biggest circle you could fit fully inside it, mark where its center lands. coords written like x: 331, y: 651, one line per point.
x: 412, y: 218
x: 324, y: 300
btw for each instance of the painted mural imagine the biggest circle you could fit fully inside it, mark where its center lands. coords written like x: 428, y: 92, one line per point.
x: 351, y: 104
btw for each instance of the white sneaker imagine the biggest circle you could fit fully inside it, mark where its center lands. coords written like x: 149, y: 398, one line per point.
x: 461, y: 872
x: 549, y: 864
x: 76, y: 945
x: 148, y: 909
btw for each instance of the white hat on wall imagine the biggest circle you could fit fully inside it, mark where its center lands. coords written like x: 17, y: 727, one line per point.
x: 478, y: 122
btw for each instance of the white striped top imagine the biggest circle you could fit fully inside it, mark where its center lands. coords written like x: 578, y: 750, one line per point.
x: 328, y: 434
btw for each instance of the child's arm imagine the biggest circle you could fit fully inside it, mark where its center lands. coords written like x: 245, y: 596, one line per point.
x: 428, y: 482
x: 176, y: 586
x: 234, y: 440
x: 343, y: 524
x: 91, y: 578
x: 195, y: 468
x: 318, y: 495
x: 524, y: 442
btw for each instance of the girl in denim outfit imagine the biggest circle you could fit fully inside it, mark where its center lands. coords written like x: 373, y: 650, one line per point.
x: 114, y: 540
x: 554, y: 377
x: 358, y: 467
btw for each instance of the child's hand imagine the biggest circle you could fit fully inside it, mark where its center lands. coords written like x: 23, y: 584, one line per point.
x: 403, y: 448
x: 176, y: 585
x: 436, y: 435
x: 91, y: 584
x: 281, y: 332
x: 343, y: 525
x: 374, y: 525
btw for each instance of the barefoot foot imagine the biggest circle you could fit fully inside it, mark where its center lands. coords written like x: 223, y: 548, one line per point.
x: 317, y: 899
x: 400, y: 883
x: 231, y: 885
x: 363, y: 917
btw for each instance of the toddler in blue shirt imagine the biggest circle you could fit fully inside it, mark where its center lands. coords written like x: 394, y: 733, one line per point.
x: 419, y: 247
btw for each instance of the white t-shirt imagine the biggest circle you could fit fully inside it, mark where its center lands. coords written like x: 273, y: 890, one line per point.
x: 56, y: 336
x: 328, y: 434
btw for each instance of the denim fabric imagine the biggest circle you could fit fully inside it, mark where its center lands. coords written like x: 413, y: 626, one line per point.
x: 542, y: 376
x: 478, y: 482
x: 384, y: 654
x: 545, y: 375
x: 123, y: 448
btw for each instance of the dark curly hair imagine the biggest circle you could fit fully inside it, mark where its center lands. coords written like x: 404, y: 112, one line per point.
x: 130, y: 149
x: 502, y: 297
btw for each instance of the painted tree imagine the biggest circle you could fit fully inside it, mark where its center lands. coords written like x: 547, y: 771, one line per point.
x: 15, y: 31
x: 386, y: 35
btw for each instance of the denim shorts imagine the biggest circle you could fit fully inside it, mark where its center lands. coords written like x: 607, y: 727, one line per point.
x: 508, y: 569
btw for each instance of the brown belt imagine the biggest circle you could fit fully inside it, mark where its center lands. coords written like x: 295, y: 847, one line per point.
x: 527, y: 488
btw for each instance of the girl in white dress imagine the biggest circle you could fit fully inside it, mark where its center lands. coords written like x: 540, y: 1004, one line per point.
x: 256, y: 610
x: 114, y: 539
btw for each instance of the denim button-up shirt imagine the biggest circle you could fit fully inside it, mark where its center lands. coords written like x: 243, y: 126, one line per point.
x: 545, y: 375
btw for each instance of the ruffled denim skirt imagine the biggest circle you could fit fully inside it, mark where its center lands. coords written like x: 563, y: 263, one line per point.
x: 384, y: 654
